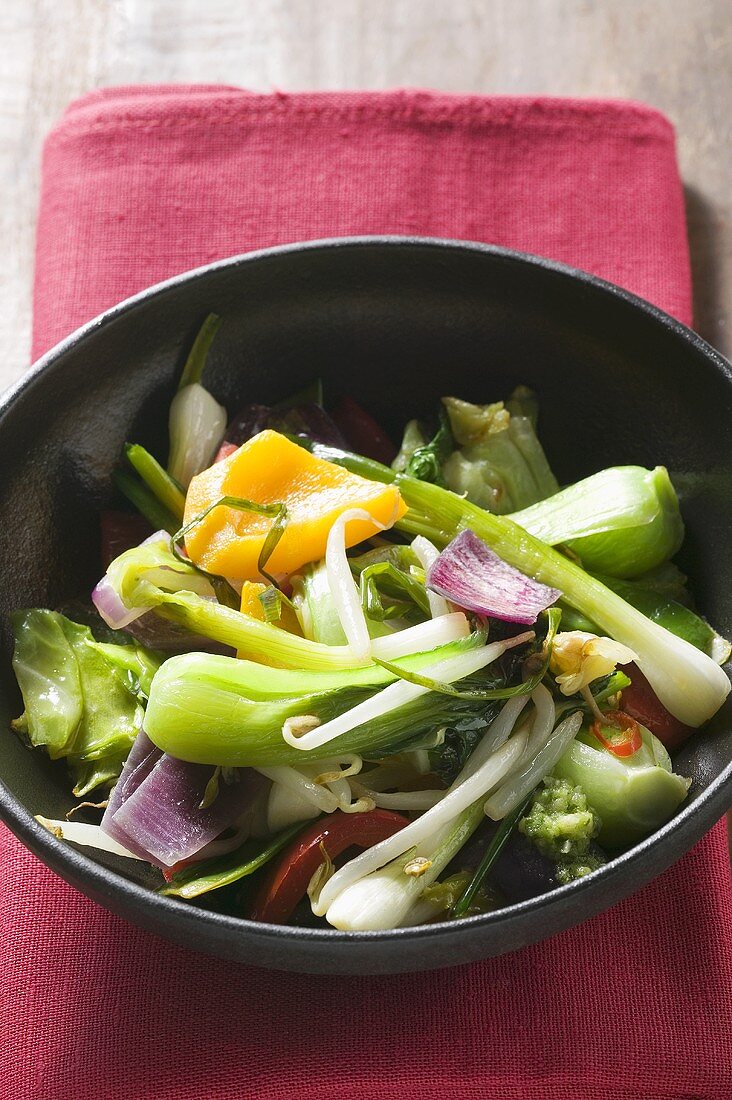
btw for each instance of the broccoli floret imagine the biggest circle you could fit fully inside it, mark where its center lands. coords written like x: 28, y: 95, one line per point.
x: 563, y: 827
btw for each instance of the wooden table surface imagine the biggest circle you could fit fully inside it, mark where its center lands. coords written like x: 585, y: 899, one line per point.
x: 674, y: 54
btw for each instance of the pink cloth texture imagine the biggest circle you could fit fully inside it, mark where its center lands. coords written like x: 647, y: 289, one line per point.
x: 142, y: 183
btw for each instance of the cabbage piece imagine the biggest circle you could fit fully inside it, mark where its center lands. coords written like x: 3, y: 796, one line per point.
x: 500, y: 464
x: 412, y: 440
x: 83, y: 700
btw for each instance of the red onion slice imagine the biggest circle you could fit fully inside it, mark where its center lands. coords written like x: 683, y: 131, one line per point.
x: 110, y: 606
x: 142, y: 759
x: 115, y: 613
x: 162, y: 817
x: 476, y: 579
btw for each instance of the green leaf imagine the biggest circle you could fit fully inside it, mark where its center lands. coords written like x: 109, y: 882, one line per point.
x: 426, y: 462
x: 198, y: 354
x: 82, y: 698
x: 491, y: 854
x: 159, y: 482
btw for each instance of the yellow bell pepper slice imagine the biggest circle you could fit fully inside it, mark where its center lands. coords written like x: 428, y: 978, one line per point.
x: 252, y: 605
x: 270, y: 469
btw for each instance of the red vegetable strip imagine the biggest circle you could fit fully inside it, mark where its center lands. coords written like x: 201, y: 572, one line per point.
x: 287, y: 882
x: 225, y: 450
x: 630, y: 739
x: 365, y: 436
x: 641, y: 702
x: 121, y: 531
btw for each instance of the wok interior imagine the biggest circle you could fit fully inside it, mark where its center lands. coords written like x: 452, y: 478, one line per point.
x: 397, y: 327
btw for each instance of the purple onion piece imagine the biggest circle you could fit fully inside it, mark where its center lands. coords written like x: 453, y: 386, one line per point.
x: 115, y: 614
x: 249, y: 421
x: 308, y: 420
x: 142, y: 759
x: 162, y: 818
x: 476, y: 579
x: 312, y: 422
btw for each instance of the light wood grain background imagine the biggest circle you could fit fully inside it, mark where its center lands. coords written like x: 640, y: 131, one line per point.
x: 674, y: 54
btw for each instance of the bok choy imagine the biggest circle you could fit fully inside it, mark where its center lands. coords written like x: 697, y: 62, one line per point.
x: 688, y: 682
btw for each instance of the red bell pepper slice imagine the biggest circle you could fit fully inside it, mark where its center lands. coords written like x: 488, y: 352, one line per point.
x: 627, y: 742
x: 287, y: 882
x: 641, y: 702
x: 364, y: 435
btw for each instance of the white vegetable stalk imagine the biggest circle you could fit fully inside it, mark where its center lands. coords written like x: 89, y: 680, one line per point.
x: 303, y: 787
x: 494, y: 737
x: 519, y: 785
x: 398, y: 694
x: 287, y: 807
x: 457, y: 800
x: 197, y: 424
x: 422, y: 637
x: 689, y: 684
x: 543, y: 724
x: 428, y: 554
x: 390, y: 897
x: 346, y: 596
x: 416, y: 802
x: 90, y: 836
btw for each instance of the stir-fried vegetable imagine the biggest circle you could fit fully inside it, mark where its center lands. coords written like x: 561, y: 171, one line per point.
x: 632, y: 795
x: 83, y: 701
x: 500, y: 463
x: 197, y: 421
x: 690, y: 684
x: 623, y: 521
x: 563, y: 827
x: 273, y: 470
x: 372, y: 656
x: 202, y: 708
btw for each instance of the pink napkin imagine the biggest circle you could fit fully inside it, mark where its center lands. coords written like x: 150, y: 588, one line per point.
x: 141, y: 183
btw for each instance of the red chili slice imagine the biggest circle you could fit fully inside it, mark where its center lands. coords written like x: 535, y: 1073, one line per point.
x: 363, y: 433
x: 287, y: 882
x: 225, y: 450
x: 630, y: 739
x: 641, y: 702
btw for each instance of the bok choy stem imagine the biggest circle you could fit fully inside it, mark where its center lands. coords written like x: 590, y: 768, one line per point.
x: 688, y: 682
